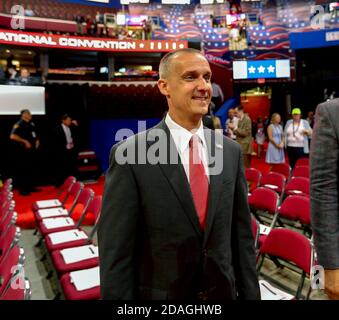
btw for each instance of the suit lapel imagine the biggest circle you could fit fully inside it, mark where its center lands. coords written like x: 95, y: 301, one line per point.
x: 215, y: 180
x: 175, y: 174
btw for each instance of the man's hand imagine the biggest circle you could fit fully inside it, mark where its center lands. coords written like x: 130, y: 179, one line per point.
x: 37, y: 144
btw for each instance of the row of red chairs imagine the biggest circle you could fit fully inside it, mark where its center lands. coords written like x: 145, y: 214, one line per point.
x: 64, y: 239
x: 13, y: 285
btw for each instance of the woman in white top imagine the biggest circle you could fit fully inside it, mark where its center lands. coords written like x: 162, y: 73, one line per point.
x: 297, y: 133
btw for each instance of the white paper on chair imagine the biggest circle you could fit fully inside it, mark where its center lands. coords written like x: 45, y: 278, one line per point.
x: 268, y: 292
x: 67, y: 236
x: 48, y: 203
x: 58, y: 222
x: 85, y: 279
x: 77, y: 254
x: 271, y: 186
x: 264, y: 229
x: 52, y: 212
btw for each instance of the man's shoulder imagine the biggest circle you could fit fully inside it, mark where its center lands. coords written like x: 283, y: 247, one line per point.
x: 332, y: 106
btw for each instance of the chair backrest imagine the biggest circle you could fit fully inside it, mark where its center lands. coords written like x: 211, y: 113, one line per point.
x: 282, y: 168
x: 264, y: 199
x: 8, y: 220
x: 19, y: 288
x: 273, y: 180
x: 290, y: 246
x: 95, y: 208
x: 253, y: 176
x: 66, y: 188
x: 296, y: 208
x: 74, y: 193
x: 9, y: 266
x: 7, y: 186
x: 301, y: 171
x: 302, y: 162
x: 84, y: 200
x: 8, y: 240
x: 298, y: 185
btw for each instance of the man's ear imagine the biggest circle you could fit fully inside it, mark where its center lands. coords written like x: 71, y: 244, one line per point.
x: 162, y: 85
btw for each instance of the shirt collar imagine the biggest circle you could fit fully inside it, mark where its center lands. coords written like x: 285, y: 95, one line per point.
x: 182, y: 136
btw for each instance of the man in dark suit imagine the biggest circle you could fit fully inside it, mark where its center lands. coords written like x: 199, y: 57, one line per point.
x: 175, y: 222
x: 324, y: 192
x: 64, y: 149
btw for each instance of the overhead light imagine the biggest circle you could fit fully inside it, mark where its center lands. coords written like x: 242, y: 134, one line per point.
x: 29, y: 52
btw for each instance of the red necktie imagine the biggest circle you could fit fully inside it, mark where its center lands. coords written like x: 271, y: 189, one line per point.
x: 198, y: 181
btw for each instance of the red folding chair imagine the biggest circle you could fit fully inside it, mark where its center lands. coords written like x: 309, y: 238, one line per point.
x: 296, y: 208
x: 301, y: 171
x: 289, y: 246
x: 19, y: 288
x: 298, y: 186
x: 61, y: 198
x: 282, y: 168
x: 274, y: 181
x: 302, y: 162
x: 72, y: 292
x: 253, y: 178
x: 10, y: 266
x: 263, y: 201
x: 8, y: 240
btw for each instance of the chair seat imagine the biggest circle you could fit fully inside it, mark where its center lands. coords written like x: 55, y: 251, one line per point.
x: 50, y: 203
x: 69, y: 244
x: 62, y: 267
x: 71, y: 293
x: 43, y: 214
x: 44, y: 230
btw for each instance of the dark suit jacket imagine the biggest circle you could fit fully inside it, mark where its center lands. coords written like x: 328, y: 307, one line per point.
x: 150, y: 242
x: 324, y: 191
x: 59, y: 139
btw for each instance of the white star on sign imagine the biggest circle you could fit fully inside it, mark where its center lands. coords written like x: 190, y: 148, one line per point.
x: 141, y: 45
x: 261, y: 69
x: 271, y: 69
x: 251, y: 69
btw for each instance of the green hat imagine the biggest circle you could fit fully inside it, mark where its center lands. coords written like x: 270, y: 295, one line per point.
x: 296, y: 111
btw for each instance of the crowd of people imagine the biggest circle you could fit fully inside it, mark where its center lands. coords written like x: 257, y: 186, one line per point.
x: 21, y: 77
x: 294, y: 137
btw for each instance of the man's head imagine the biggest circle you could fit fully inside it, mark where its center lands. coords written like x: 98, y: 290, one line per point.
x: 24, y: 73
x: 296, y: 114
x: 66, y: 120
x: 239, y: 111
x: 26, y: 115
x: 310, y: 115
x: 185, y: 80
x: 231, y: 113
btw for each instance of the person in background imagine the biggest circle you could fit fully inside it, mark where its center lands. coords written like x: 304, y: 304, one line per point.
x: 217, y: 96
x: 243, y: 135
x: 275, y: 151
x: 65, y: 151
x: 26, y: 142
x: 13, y: 76
x: 233, y: 120
x: 297, y: 133
x: 260, y: 136
x: 310, y: 118
x: 26, y: 79
x: 2, y: 75
x: 324, y: 191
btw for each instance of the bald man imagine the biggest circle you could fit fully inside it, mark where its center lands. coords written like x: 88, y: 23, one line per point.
x: 175, y: 222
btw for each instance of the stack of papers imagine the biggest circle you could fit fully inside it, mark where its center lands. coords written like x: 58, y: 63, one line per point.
x: 85, y: 279
x: 67, y: 236
x: 53, y: 223
x: 268, y: 292
x: 77, y: 254
x: 48, y: 203
x: 52, y: 212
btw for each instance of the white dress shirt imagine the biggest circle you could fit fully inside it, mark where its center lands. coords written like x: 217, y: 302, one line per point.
x: 182, y: 137
x: 69, y: 138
